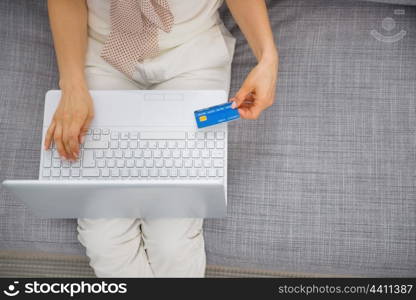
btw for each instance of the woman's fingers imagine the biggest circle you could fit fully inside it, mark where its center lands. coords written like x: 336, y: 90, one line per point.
x: 49, y: 135
x: 74, y: 131
x: 58, y: 140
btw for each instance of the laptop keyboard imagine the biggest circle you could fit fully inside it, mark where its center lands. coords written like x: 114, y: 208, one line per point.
x: 118, y: 154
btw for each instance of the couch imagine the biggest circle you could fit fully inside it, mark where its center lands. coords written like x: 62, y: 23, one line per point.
x: 323, y: 184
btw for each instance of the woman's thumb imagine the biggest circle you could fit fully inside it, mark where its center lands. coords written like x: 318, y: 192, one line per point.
x: 240, y: 96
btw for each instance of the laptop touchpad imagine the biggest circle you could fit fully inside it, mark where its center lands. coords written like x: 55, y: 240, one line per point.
x: 162, y: 112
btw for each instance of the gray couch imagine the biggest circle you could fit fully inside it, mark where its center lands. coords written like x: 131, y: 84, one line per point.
x: 322, y: 184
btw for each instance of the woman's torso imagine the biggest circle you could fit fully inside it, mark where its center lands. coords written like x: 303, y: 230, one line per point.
x: 190, y: 18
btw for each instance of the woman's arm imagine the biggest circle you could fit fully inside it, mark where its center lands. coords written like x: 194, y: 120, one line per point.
x: 258, y: 90
x: 68, y: 20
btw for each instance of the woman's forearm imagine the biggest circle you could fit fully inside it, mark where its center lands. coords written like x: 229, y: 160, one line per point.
x: 252, y: 18
x: 68, y: 20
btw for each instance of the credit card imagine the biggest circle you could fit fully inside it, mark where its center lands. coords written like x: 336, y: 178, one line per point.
x: 217, y: 114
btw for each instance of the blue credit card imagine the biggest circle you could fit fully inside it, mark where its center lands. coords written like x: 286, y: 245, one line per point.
x: 215, y: 115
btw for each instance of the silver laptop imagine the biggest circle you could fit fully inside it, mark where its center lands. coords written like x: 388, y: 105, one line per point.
x: 142, y: 157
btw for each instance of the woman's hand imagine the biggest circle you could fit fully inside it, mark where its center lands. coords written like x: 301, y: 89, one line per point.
x: 70, y: 122
x: 258, y: 90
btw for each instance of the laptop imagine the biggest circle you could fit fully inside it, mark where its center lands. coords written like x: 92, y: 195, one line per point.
x: 143, y: 157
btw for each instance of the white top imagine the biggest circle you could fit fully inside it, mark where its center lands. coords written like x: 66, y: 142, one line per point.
x: 191, y: 18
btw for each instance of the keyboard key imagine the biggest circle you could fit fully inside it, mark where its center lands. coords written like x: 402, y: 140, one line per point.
x: 76, y: 164
x: 191, y: 135
x: 114, y: 135
x: 97, y: 131
x: 195, y: 153
x: 125, y: 172
x: 129, y: 163
x: 220, y: 172
x: 192, y: 172
x: 147, y: 153
x: 105, y: 131
x: 187, y: 163
x: 210, y: 135
x: 120, y: 163
x: 190, y: 144
x: 163, y: 173
x: 142, y: 144
x: 144, y: 173
x: 148, y: 163
x: 115, y: 173
x: 99, y: 154
x: 198, y: 163
x: 200, y: 135
x: 56, y: 154
x: 75, y: 172
x: 114, y: 145
x: 168, y: 163
x: 96, y: 145
x: 56, y: 172
x: 217, y: 153
x: 90, y: 172
x: 220, y: 135
x: 137, y: 153
x: 159, y: 163
x: 202, y: 172
x: 128, y: 154
x: 96, y: 137
x: 109, y: 153
x: 152, y: 144
x: 173, y: 172
x: 166, y: 153
x: 118, y: 153
x: 162, y: 135
x: 134, y: 172
x: 220, y: 144
x: 157, y: 153
x: 178, y: 163
x: 56, y: 163
x: 183, y: 172
x: 153, y: 172
x: 105, y: 173
x: 111, y: 163
x: 207, y: 163
x: 212, y: 172
x: 134, y: 135
x: 200, y: 144
x: 210, y: 144
x: 47, y: 158
x: 124, y: 144
x: 66, y: 164
x: 46, y: 172
x: 163, y: 144
x: 218, y: 163
x: 186, y: 153
x: 205, y: 153
x: 101, y: 163
x: 176, y: 153
x: 133, y: 144
x: 180, y: 144
x: 139, y: 163
x: 124, y: 135
x: 88, y: 159
x: 65, y: 172
x: 172, y: 144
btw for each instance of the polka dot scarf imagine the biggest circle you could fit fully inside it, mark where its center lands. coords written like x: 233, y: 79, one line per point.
x: 134, y: 32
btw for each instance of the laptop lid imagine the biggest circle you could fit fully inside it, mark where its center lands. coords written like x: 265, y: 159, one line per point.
x: 120, y: 199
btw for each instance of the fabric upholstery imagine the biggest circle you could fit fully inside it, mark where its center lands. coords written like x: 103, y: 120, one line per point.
x: 323, y: 182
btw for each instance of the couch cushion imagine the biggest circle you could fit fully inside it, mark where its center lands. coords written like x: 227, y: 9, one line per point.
x: 322, y: 183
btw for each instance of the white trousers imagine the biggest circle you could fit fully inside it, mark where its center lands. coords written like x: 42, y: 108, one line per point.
x: 125, y: 247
